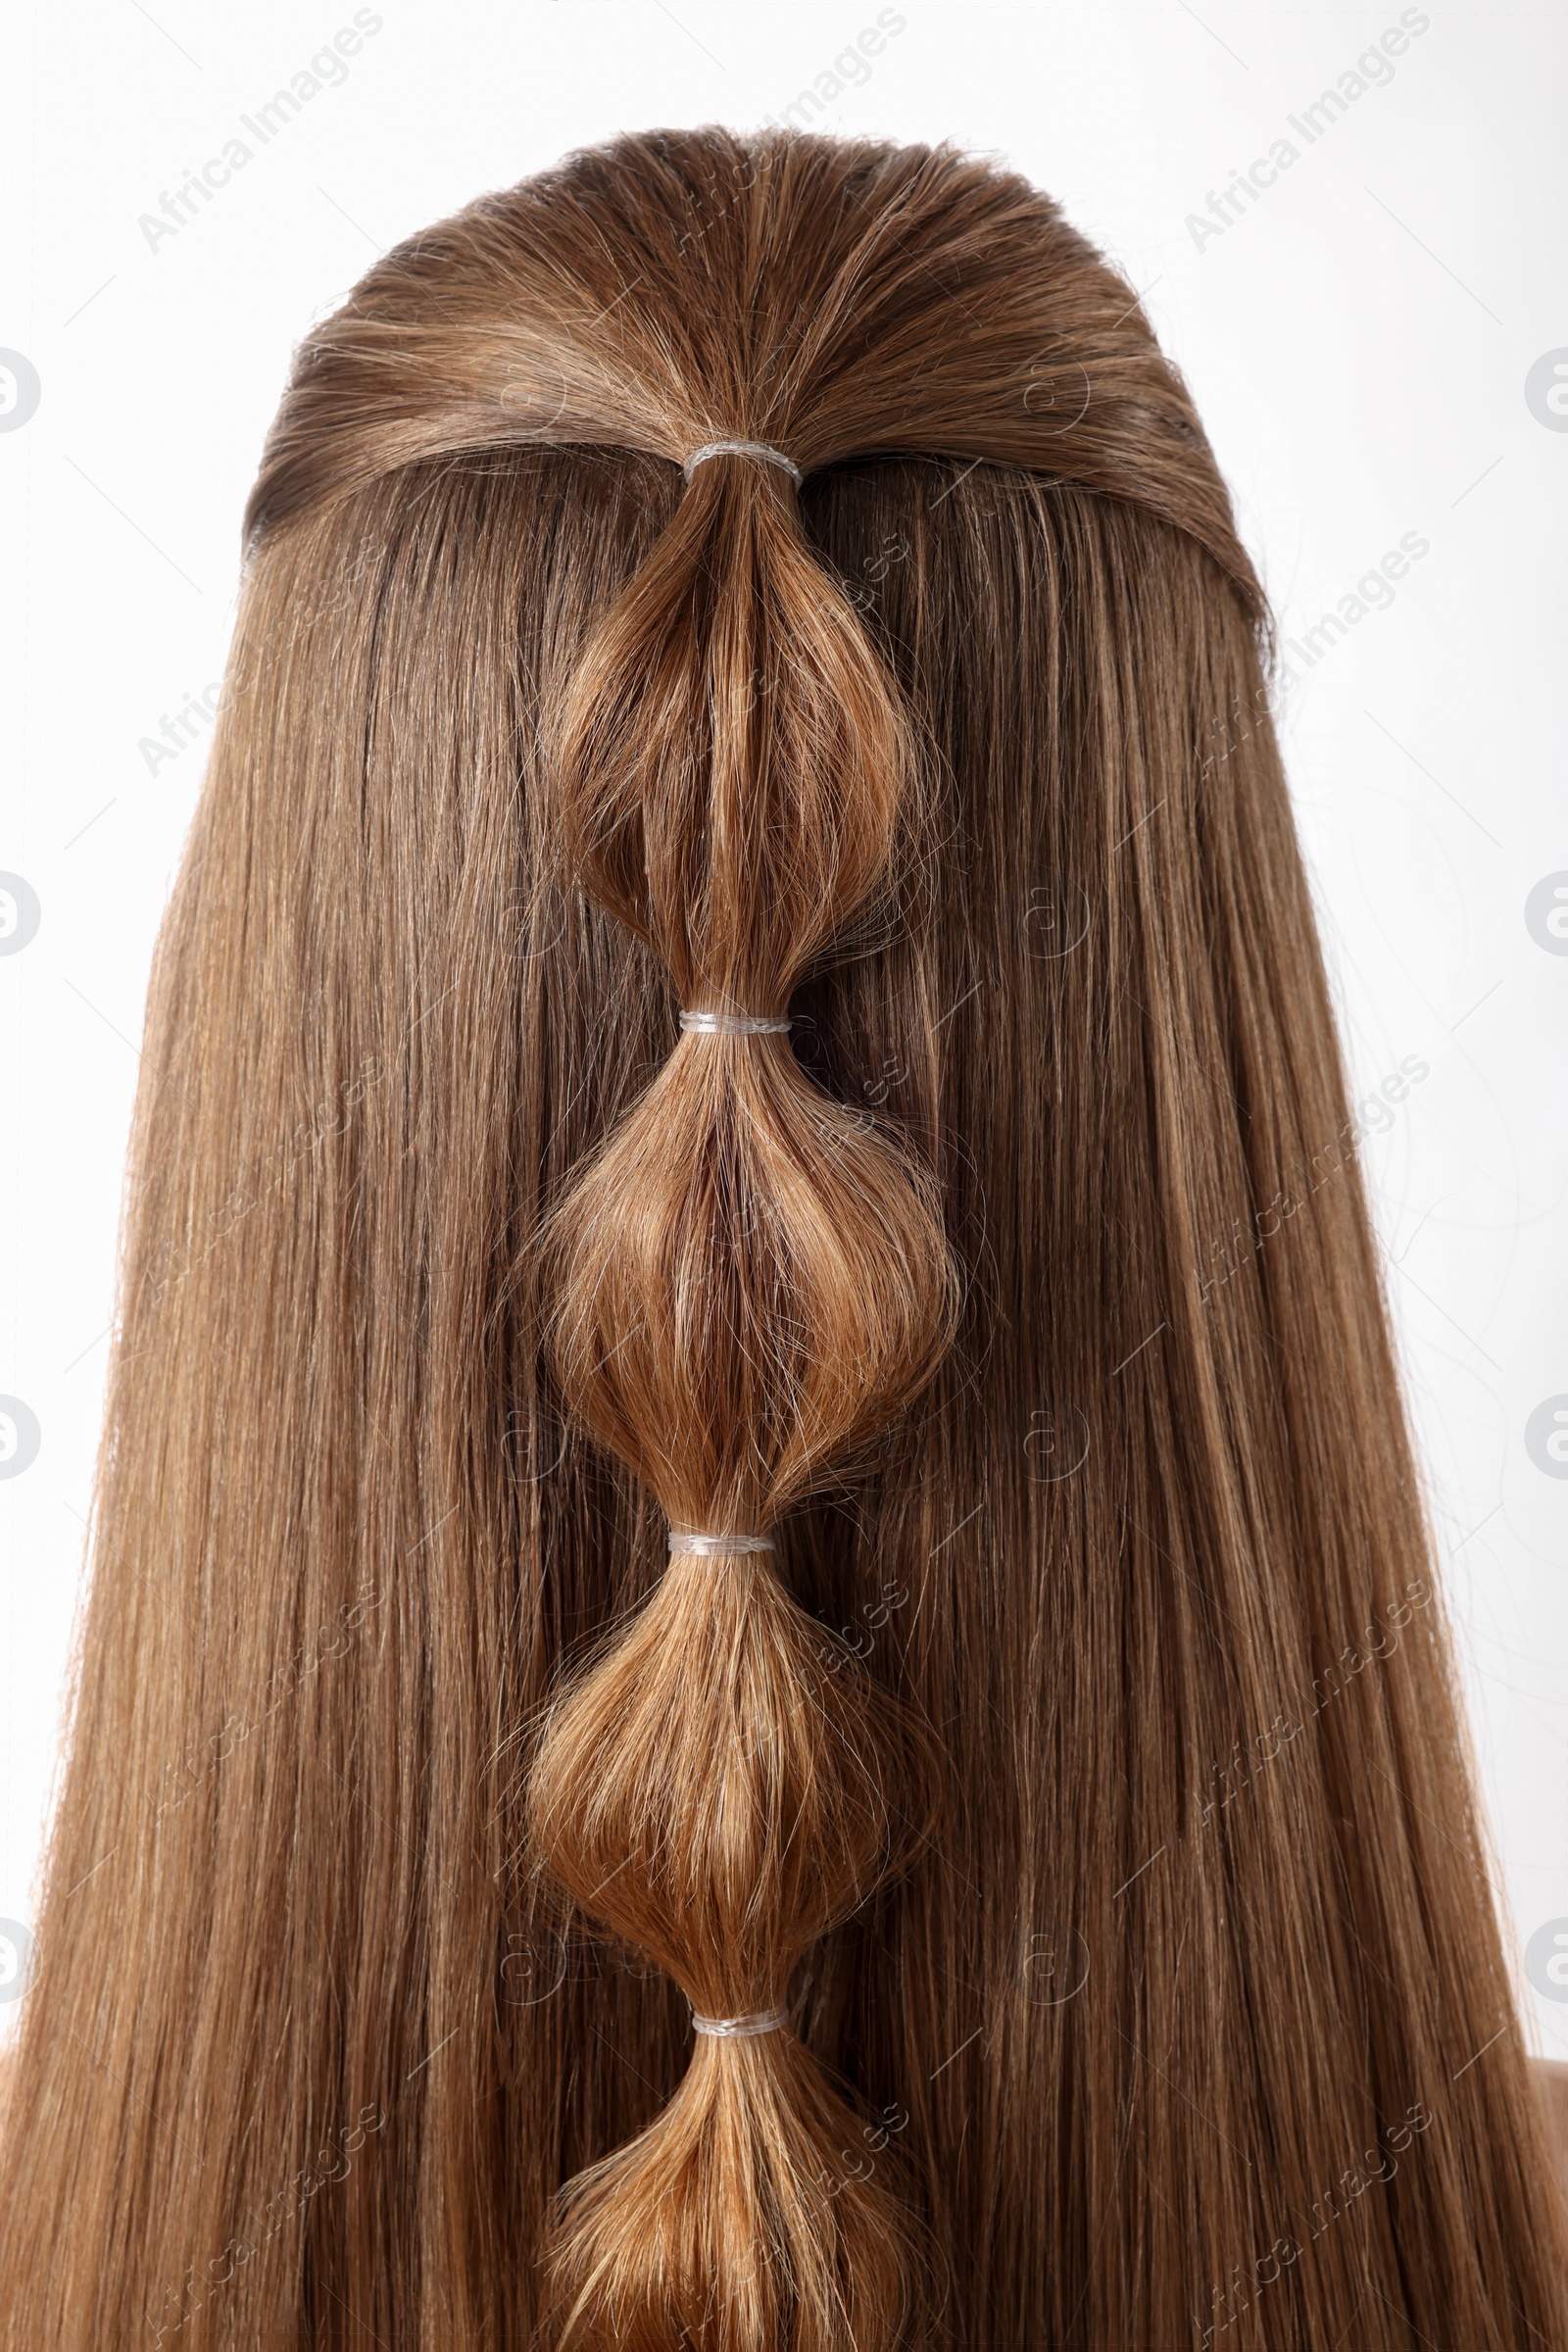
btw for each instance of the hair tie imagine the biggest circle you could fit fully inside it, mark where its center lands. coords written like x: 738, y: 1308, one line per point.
x: 741, y: 2029
x: 742, y: 449
x: 733, y: 1024
x: 687, y: 1541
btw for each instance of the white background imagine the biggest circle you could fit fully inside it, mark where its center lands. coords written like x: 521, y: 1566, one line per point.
x: 1357, y: 343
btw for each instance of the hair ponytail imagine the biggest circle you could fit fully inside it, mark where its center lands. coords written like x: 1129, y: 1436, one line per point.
x: 748, y: 1283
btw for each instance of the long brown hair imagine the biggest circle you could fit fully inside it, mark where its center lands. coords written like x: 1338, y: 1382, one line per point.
x: 1081, y: 1773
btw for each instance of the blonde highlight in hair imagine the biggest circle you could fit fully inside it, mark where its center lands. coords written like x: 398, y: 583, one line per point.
x: 488, y: 1905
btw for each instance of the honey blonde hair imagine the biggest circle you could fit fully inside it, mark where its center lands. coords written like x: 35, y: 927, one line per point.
x: 1082, y: 1772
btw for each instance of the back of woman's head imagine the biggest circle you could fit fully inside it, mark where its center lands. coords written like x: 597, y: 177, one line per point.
x: 761, y: 1670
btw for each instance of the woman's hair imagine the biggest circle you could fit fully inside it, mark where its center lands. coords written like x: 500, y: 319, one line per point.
x: 1080, y: 1775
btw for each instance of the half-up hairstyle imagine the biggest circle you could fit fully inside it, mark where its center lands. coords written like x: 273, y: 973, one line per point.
x: 763, y: 1673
